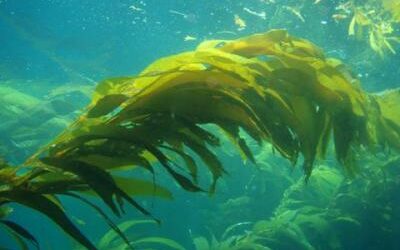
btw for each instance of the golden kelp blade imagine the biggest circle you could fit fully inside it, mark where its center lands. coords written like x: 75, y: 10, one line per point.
x: 277, y: 88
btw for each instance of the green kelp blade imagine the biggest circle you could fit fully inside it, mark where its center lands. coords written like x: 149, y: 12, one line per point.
x: 99, y: 180
x: 232, y: 132
x: 182, y: 180
x: 59, y: 186
x: 22, y: 244
x: 114, y: 228
x: 187, y: 159
x: 159, y: 241
x: 210, y: 160
x: 233, y: 227
x: 20, y: 232
x: 115, y: 162
x: 106, y: 104
x: 134, y: 187
x: 109, y: 87
x: 44, y: 205
x: 201, y: 243
x: 106, y: 241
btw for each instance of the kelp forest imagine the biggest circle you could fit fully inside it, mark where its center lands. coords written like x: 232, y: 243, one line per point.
x: 259, y: 136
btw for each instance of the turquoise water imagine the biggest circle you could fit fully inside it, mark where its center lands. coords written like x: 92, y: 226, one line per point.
x: 53, y: 43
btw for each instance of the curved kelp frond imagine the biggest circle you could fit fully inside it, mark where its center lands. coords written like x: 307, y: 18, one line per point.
x: 16, y: 231
x: 275, y: 87
x: 39, y: 189
x: 14, y: 188
x: 111, y: 241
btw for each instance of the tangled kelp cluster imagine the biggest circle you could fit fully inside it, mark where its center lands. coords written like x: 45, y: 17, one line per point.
x: 376, y: 21
x: 275, y: 87
x: 373, y: 22
x: 332, y: 213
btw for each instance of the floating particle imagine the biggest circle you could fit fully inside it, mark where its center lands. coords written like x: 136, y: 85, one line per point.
x: 261, y: 14
x: 339, y: 17
x: 178, y: 13
x: 137, y: 9
x: 296, y: 12
x: 240, y: 22
x: 189, y: 38
x: 188, y: 17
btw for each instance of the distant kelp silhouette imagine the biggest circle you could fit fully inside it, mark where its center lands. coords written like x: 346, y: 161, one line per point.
x: 278, y: 88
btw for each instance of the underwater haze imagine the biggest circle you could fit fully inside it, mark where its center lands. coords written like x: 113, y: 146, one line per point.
x: 200, y: 124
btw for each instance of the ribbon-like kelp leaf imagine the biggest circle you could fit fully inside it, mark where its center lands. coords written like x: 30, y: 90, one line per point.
x: 135, y: 187
x: 100, y: 181
x: 20, y: 232
x: 115, y: 229
x: 52, y: 210
x: 183, y: 181
x: 188, y: 160
x: 201, y: 243
x: 22, y: 244
x: 115, y: 162
x: 50, y: 185
x: 106, y: 104
x: 108, y: 238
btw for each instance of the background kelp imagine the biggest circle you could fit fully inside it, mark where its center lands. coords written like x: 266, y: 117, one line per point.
x: 375, y: 21
x: 112, y: 241
x: 338, y: 216
x: 275, y: 87
x: 23, y: 111
x: 248, y: 194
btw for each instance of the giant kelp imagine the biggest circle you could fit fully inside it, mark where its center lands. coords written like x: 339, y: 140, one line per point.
x: 277, y: 88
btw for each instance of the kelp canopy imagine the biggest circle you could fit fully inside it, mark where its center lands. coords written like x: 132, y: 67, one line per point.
x: 277, y: 88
